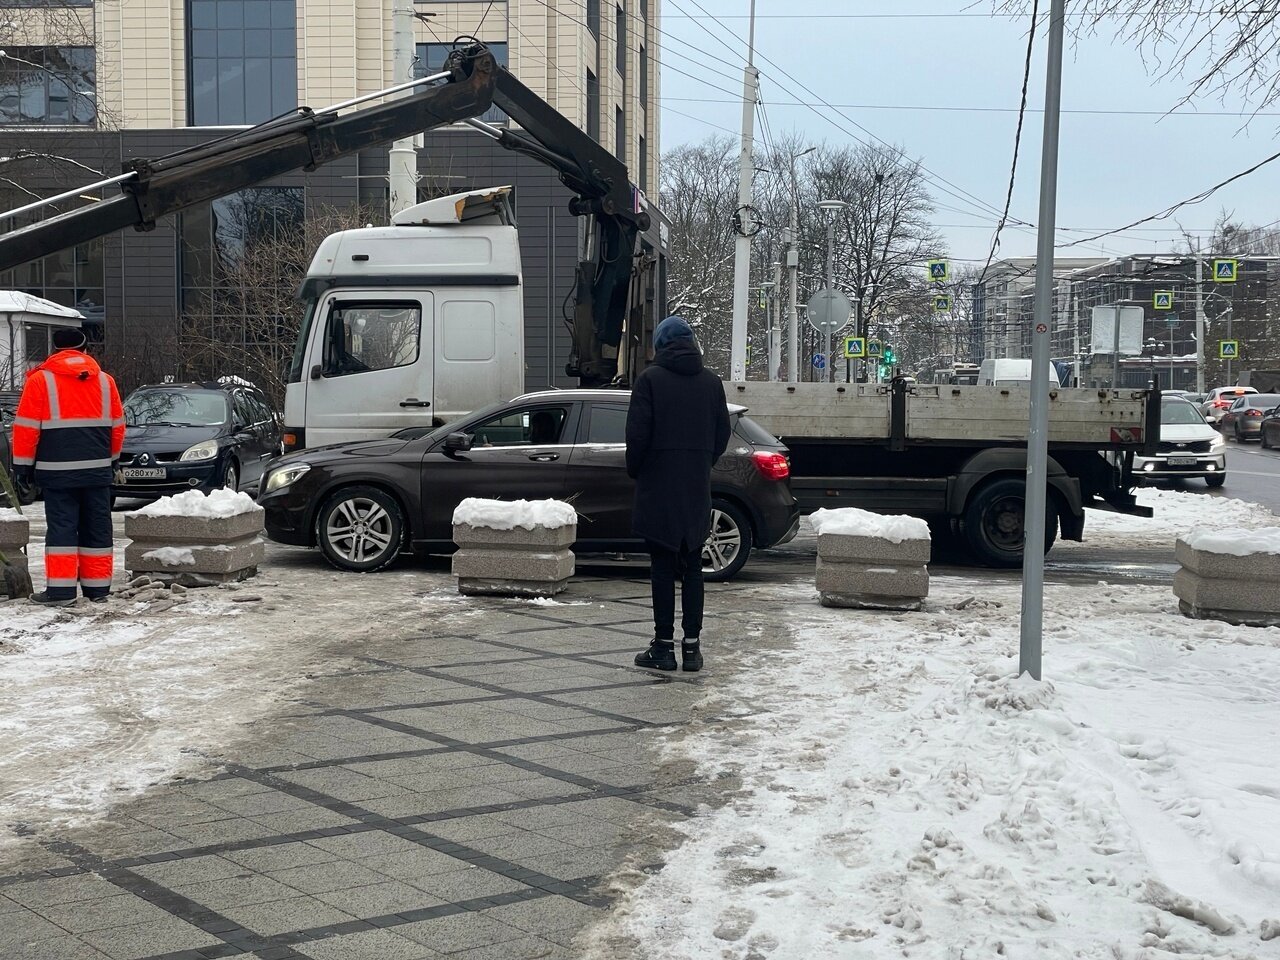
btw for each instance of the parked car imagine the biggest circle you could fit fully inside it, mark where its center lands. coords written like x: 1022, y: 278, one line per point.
x: 1244, y: 418
x: 1189, y: 447
x: 364, y: 503
x: 27, y: 492
x: 196, y: 436
x: 1218, y: 400
x: 1269, y: 429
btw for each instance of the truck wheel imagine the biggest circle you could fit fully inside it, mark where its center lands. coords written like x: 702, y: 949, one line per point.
x: 360, y: 529
x: 993, y: 523
x: 1217, y: 480
x: 728, y: 544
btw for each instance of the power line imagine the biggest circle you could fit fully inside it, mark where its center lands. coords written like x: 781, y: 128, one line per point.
x: 957, y: 109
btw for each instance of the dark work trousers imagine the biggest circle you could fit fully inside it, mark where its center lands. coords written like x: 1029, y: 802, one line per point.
x: 78, y: 542
x: 665, y: 567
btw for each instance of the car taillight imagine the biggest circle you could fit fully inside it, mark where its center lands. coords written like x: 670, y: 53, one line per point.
x: 772, y: 466
x: 1221, y: 404
x: 1253, y: 413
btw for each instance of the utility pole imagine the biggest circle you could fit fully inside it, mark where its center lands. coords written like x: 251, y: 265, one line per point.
x: 403, y: 169
x: 1031, y: 641
x: 1199, y: 320
x: 793, y: 297
x: 746, y: 216
x: 775, y: 323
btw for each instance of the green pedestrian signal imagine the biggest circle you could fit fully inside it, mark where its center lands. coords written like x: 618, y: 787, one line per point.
x: 889, y: 355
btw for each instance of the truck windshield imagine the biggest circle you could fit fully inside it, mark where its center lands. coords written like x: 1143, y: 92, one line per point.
x: 300, y: 348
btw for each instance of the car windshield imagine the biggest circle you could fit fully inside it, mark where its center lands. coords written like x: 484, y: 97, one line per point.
x: 176, y: 408
x: 1179, y: 412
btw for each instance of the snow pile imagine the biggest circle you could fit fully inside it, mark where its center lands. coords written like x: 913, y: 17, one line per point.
x: 171, y: 556
x: 509, y: 514
x: 850, y: 521
x: 1235, y: 542
x: 903, y: 793
x: 8, y: 513
x: 193, y: 503
x: 1176, y: 512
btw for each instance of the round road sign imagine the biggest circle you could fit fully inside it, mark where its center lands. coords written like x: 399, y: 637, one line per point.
x: 819, y: 361
x: 828, y: 310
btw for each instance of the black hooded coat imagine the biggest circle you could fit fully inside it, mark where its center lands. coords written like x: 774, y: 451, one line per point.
x: 677, y: 428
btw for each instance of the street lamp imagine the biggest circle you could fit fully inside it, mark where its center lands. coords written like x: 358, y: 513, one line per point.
x: 832, y: 209
x: 793, y: 269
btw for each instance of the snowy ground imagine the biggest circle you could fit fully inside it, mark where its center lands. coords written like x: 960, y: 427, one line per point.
x: 1176, y: 512
x: 902, y: 793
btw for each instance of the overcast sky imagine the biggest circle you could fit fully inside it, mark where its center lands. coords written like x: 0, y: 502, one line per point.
x: 1114, y: 168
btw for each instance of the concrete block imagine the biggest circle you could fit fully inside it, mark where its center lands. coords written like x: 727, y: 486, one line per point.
x: 465, y: 535
x: 839, y: 546
x: 219, y: 562
x: 161, y: 529
x: 514, y: 563
x: 877, y: 586
x: 1256, y: 566
x: 1234, y: 600
x: 480, y: 587
x: 15, y: 534
x: 497, y: 564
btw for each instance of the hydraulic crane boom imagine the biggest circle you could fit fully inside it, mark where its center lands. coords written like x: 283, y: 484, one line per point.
x: 470, y: 84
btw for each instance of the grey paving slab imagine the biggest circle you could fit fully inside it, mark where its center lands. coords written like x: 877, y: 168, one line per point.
x: 326, y: 877
x: 22, y: 928
x: 175, y: 874
x: 121, y: 910
x: 544, y: 916
x: 280, y: 856
x: 221, y: 895
x: 461, y: 932
x: 413, y: 865
x: 471, y: 883
x: 281, y: 916
x: 379, y: 899
x: 57, y: 948
x: 368, y: 945
x: 40, y: 893
x: 148, y: 939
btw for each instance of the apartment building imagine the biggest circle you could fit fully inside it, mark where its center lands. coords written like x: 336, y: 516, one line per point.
x: 88, y: 84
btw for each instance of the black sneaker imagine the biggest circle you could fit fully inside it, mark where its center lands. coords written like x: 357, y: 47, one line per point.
x: 661, y: 655
x: 45, y: 600
x: 691, y: 656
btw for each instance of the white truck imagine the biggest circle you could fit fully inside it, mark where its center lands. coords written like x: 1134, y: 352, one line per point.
x: 956, y: 455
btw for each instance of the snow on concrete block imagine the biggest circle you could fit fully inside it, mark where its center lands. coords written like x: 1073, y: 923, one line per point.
x: 1230, y: 575
x: 513, y: 548
x: 196, y: 539
x: 869, y: 560
x: 15, y: 533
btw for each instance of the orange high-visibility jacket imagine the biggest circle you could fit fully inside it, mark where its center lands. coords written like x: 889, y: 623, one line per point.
x: 70, y: 423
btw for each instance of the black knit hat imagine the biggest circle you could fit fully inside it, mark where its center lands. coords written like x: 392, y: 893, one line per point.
x: 69, y: 338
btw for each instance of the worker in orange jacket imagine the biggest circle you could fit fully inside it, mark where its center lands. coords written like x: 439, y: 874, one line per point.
x: 67, y: 437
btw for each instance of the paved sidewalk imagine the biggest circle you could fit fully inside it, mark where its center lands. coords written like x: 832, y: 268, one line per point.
x: 463, y: 790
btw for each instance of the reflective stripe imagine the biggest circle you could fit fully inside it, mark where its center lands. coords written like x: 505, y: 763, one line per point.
x: 51, y: 387
x: 105, y: 409
x: 73, y: 464
x: 95, y: 582
x: 23, y: 461
x: 78, y: 422
x: 95, y: 551
x: 60, y: 582
x: 118, y: 422
x: 61, y: 551
x: 26, y: 422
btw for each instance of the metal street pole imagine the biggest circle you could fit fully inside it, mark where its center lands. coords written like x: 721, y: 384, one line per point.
x: 1031, y: 641
x: 403, y: 158
x: 1199, y: 320
x: 831, y: 285
x: 1115, y: 349
x: 775, y: 326
x: 1230, y: 316
x: 793, y: 308
x: 742, y: 246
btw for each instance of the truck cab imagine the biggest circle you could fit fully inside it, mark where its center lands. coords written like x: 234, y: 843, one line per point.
x: 411, y: 324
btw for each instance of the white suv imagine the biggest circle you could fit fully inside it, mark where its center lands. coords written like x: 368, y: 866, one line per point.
x: 1189, y: 447
x: 1218, y: 400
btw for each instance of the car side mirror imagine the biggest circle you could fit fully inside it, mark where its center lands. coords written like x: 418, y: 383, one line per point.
x: 458, y: 442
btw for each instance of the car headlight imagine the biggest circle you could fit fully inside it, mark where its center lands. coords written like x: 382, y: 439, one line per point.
x: 204, y: 450
x: 1217, y: 441
x: 281, y: 477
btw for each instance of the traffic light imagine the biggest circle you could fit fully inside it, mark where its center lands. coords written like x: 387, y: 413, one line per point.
x: 889, y: 355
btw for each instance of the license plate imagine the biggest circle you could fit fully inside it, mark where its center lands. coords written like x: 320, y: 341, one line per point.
x: 143, y: 473
x: 1182, y: 461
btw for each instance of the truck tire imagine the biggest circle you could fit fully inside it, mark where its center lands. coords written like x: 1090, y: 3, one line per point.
x: 993, y: 522
x: 360, y: 528
x: 728, y: 544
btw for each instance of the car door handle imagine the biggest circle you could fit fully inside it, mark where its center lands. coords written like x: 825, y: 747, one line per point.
x: 544, y: 457
x: 411, y: 402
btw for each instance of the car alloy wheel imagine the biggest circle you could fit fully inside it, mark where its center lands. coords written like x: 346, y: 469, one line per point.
x: 231, y: 479
x: 360, y: 528
x: 728, y: 543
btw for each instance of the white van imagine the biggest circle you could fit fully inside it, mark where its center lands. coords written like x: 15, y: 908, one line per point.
x: 1010, y: 373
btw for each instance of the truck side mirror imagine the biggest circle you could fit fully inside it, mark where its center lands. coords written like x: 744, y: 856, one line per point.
x: 458, y: 442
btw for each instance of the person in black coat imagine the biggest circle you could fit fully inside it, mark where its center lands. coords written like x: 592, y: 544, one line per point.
x: 677, y: 427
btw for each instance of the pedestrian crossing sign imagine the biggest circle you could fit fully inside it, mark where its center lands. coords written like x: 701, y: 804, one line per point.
x: 1225, y: 271
x: 854, y: 347
x: 1228, y: 349
x: 942, y: 303
x: 874, y: 348
x: 1164, y: 300
x: 939, y: 271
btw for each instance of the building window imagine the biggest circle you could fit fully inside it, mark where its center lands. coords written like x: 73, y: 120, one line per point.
x: 643, y: 163
x: 227, y: 264
x: 620, y: 135
x: 430, y: 59
x: 593, y: 106
x: 47, y: 85
x: 242, y: 59
x: 71, y: 277
x: 593, y: 17
x: 644, y: 78
x: 622, y: 41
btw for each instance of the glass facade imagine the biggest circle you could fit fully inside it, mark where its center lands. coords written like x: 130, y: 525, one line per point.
x: 431, y: 57
x: 242, y: 61
x: 48, y: 85
x: 593, y: 17
x: 620, y: 135
x: 593, y: 106
x: 71, y: 277
x: 621, y: 29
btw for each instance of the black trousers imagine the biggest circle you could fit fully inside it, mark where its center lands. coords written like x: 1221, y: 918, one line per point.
x: 665, y: 567
x: 78, y: 541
